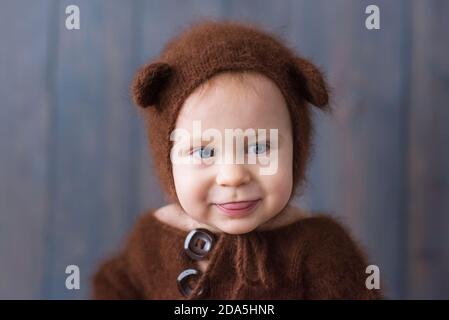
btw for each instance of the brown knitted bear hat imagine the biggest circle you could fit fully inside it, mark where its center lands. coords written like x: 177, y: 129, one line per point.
x: 211, y: 47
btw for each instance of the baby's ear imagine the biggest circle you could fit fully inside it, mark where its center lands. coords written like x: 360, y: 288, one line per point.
x: 149, y: 82
x: 310, y: 82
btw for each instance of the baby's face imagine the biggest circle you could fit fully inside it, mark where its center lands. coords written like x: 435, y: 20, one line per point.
x: 214, y: 186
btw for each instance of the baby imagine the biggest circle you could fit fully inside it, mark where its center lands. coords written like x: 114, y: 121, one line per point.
x: 227, y: 108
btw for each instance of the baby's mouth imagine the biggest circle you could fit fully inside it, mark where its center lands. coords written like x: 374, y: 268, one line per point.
x: 237, y: 208
x: 237, y: 205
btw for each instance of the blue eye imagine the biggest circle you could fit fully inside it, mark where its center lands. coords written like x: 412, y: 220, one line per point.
x: 258, y: 148
x: 204, y: 152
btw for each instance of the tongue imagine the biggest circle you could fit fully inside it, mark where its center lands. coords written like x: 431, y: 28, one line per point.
x: 237, y: 205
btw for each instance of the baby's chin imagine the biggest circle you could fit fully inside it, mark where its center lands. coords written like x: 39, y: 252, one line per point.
x: 236, y: 226
x: 237, y: 230
x: 219, y: 223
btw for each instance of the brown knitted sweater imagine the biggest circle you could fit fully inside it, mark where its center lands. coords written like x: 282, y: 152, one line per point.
x: 312, y: 258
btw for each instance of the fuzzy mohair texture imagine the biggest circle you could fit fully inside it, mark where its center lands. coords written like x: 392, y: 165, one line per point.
x: 206, y: 49
x: 313, y: 258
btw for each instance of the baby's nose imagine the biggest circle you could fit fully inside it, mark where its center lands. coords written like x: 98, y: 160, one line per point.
x: 232, y: 175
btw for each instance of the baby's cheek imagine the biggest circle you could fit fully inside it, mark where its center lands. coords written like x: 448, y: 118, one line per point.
x: 279, y: 185
x: 183, y: 183
x: 189, y: 189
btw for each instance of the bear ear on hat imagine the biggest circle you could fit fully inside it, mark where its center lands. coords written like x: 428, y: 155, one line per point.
x: 149, y: 82
x: 308, y: 80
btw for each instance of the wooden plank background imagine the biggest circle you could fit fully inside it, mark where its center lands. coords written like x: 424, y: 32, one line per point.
x: 74, y: 166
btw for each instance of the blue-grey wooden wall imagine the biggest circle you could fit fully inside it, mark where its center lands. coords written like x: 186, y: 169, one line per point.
x: 74, y: 166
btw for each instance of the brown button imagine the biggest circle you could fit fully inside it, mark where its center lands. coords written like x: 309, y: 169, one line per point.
x: 183, y: 281
x: 198, y: 243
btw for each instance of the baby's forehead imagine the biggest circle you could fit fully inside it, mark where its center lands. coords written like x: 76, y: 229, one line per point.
x: 235, y: 99
x: 246, y: 81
